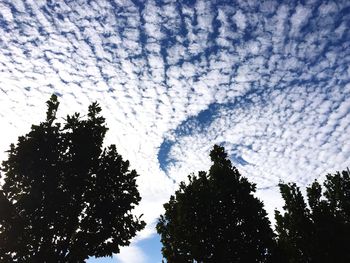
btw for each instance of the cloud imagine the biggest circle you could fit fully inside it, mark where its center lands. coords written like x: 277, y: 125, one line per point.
x: 240, y: 20
x: 131, y: 254
x: 299, y: 18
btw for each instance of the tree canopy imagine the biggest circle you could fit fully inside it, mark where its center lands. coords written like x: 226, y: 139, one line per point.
x: 215, y: 218
x: 318, y: 231
x: 64, y: 196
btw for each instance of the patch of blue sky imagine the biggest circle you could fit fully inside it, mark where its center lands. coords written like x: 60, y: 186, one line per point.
x: 101, y: 260
x: 198, y: 122
x: 150, y: 248
x: 236, y: 159
x: 163, y: 154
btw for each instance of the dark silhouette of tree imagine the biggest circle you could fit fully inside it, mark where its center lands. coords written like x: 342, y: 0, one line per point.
x: 320, y: 231
x: 215, y: 218
x: 65, y: 197
x: 294, y: 227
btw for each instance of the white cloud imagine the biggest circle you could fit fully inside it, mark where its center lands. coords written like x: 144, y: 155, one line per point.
x: 299, y: 18
x: 131, y: 254
x: 240, y: 20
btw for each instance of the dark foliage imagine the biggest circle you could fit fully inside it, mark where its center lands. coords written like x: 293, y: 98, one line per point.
x: 66, y: 198
x: 215, y: 218
x: 319, y: 232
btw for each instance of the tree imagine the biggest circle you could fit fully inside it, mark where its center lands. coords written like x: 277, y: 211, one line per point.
x: 65, y: 197
x: 320, y: 231
x: 215, y: 218
x: 294, y: 227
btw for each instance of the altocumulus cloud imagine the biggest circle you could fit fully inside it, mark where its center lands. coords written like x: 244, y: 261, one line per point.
x: 267, y: 79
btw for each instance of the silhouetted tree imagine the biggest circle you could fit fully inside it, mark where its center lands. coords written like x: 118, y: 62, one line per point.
x: 294, y: 227
x: 215, y: 218
x: 319, y: 232
x: 66, y: 198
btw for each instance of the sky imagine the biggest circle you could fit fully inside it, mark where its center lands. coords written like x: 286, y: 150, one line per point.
x: 268, y: 80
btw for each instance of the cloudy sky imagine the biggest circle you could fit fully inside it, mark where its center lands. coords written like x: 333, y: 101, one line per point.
x: 269, y: 80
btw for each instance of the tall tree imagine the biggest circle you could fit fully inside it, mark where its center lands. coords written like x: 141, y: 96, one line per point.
x: 294, y: 228
x: 65, y: 197
x: 215, y: 218
x: 320, y: 231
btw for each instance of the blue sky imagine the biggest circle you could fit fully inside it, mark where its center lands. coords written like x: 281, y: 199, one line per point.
x: 269, y: 80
